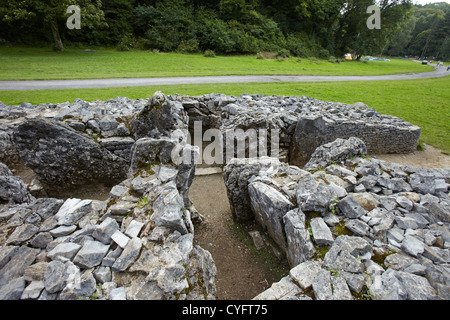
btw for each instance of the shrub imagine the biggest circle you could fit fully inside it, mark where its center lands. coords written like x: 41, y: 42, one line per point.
x: 189, y: 46
x: 314, y: 60
x: 283, y: 53
x: 126, y: 43
x: 333, y: 59
x: 259, y: 56
x: 323, y: 54
x: 209, y: 54
x: 296, y: 43
x: 144, y: 44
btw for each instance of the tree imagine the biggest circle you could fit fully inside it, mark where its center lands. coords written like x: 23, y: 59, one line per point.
x: 400, y: 42
x: 52, y: 14
x: 442, y: 35
x: 353, y: 34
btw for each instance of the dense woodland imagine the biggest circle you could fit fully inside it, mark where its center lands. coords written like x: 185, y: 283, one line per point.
x: 305, y: 28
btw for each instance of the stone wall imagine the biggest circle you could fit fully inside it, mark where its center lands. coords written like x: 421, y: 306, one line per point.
x: 388, y: 136
x: 299, y: 124
x: 303, y: 123
x: 357, y: 226
x: 387, y: 208
x: 138, y: 244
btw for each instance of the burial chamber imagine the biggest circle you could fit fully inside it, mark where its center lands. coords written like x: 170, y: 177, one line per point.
x: 145, y: 149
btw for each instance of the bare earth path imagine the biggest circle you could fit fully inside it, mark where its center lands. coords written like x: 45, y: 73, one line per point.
x: 430, y: 158
x: 239, y: 275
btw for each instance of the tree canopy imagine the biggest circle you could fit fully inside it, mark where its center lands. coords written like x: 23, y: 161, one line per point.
x: 297, y: 27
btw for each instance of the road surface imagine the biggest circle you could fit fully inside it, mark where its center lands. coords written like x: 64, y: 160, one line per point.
x: 134, y: 82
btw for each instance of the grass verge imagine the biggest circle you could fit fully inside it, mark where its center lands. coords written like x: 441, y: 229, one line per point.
x: 19, y: 63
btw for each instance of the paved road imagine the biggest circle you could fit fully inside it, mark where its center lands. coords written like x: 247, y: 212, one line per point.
x: 133, y: 82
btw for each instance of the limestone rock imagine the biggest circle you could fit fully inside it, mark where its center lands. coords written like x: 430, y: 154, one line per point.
x: 105, y: 230
x: 60, y: 155
x: 79, y: 286
x: 128, y: 256
x: 168, y: 210
x: 347, y: 254
x: 13, y: 289
x: 321, y: 285
x: 134, y: 228
x: 399, y: 285
x: 269, y: 207
x: 299, y: 245
x: 312, y: 195
x: 19, y: 260
x: 282, y: 290
x: 64, y: 251
x: 321, y: 233
x: 413, y: 246
x: 147, y: 151
x: 350, y: 208
x: 237, y: 174
x: 12, y: 188
x: 54, y: 276
x: 305, y: 272
x: 336, y: 151
x: 73, y: 210
x: 22, y: 234
x: 33, y: 290
x: 91, y: 254
x: 158, y: 118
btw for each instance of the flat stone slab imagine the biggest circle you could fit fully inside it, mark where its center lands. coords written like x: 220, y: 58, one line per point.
x: 128, y: 256
x: 64, y: 251
x: 207, y: 171
x: 119, y: 238
x: 22, y: 234
x: 321, y: 233
x: 134, y: 228
x: 305, y: 272
x: 91, y: 254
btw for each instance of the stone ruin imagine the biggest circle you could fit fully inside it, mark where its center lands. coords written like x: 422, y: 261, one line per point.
x: 349, y: 226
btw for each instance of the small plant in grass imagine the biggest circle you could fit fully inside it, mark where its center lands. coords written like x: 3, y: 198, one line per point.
x: 334, y: 272
x: 333, y: 205
x: 340, y: 229
x: 126, y: 43
x: 320, y: 252
x: 421, y: 146
x: 142, y: 202
x: 314, y: 60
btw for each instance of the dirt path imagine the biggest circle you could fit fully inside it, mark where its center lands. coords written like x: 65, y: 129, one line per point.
x: 239, y: 274
x: 429, y: 158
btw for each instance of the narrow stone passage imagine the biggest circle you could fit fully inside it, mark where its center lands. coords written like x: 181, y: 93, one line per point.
x: 239, y: 274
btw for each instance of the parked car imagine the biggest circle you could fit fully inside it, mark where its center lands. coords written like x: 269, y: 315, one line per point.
x: 424, y: 62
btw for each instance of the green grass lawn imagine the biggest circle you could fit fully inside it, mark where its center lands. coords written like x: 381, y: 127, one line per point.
x: 423, y: 102
x: 18, y: 63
